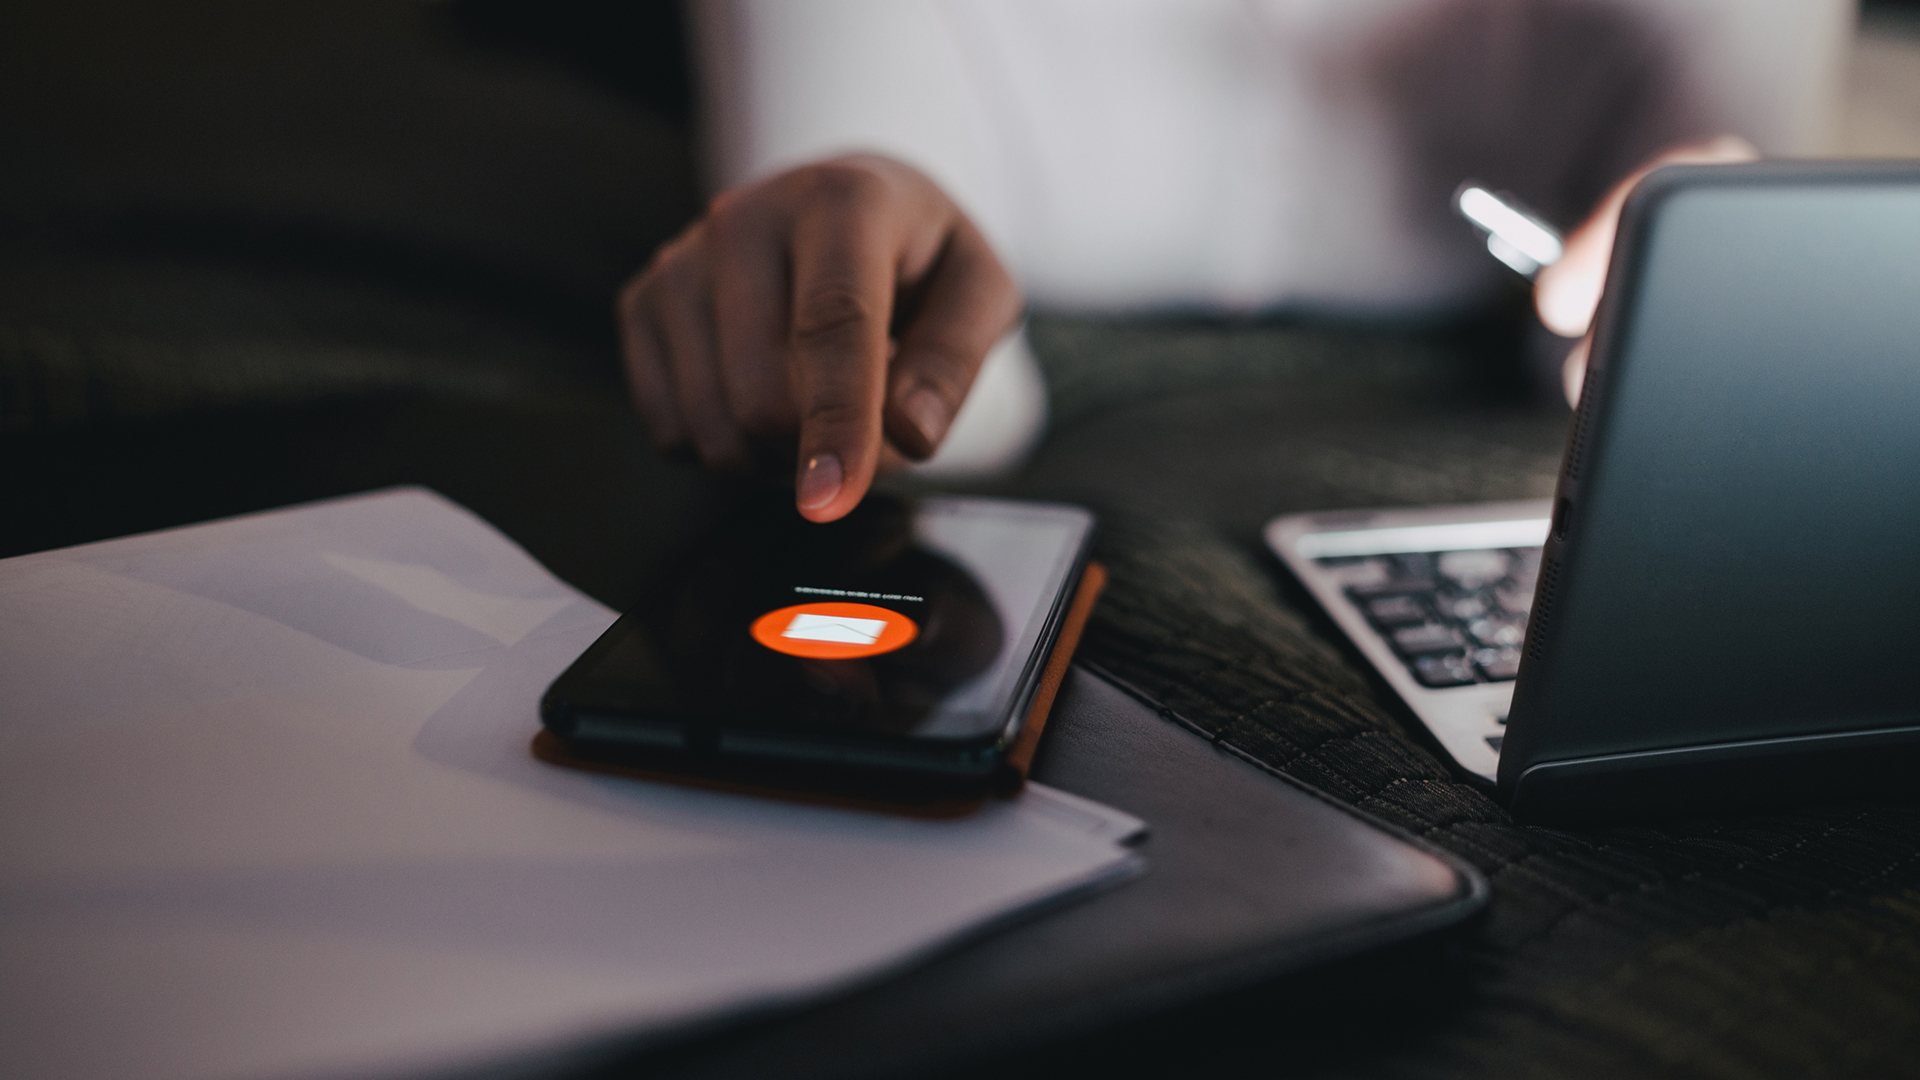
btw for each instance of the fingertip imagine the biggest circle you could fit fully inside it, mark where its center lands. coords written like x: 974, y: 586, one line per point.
x: 820, y: 490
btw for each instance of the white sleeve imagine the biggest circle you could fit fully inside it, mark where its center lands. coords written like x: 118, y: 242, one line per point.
x: 784, y: 82
x: 1259, y: 154
x: 1771, y: 70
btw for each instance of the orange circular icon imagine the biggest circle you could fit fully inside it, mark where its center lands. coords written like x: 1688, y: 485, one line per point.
x: 833, y: 631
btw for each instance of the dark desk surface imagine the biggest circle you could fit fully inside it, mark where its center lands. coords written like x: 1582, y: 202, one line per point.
x: 1249, y: 878
x: 185, y: 333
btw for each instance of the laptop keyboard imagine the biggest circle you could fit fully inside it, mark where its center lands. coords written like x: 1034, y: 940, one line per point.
x: 1453, y: 617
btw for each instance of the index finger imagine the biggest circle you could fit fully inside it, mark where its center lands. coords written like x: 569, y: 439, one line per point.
x: 843, y: 271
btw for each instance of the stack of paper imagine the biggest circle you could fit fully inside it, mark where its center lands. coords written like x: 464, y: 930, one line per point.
x: 267, y: 808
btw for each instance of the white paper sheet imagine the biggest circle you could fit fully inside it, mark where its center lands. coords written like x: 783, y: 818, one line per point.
x: 267, y: 809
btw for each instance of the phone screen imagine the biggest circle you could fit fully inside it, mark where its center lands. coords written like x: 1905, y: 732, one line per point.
x: 904, y: 619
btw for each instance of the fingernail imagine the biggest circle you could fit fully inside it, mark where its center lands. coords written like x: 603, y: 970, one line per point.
x: 820, y: 481
x: 928, y: 411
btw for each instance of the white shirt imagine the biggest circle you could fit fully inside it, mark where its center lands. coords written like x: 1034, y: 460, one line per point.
x: 1257, y: 154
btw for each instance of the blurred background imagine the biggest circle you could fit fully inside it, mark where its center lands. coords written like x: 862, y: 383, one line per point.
x: 254, y: 253
x: 1881, y: 117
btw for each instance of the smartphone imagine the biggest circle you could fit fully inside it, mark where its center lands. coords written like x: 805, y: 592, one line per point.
x: 907, y: 638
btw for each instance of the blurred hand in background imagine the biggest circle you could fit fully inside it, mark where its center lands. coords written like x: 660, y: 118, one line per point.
x: 1567, y: 293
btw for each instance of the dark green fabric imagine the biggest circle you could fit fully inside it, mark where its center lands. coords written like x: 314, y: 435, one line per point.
x: 256, y: 254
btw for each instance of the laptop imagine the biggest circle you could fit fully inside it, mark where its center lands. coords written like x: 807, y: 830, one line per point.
x: 1719, y: 606
x: 1436, y: 600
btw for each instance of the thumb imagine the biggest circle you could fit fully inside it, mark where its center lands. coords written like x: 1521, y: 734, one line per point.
x: 968, y: 303
x: 1567, y: 293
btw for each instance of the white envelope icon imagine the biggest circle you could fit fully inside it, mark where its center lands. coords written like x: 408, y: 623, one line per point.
x: 810, y: 627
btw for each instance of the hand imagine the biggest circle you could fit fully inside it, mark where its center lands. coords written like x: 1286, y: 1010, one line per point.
x: 1567, y: 293
x: 842, y: 307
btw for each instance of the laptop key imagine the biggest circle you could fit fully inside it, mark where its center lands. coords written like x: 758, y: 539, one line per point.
x: 1526, y: 565
x: 1498, y: 632
x: 1515, y: 600
x: 1463, y: 607
x: 1446, y: 669
x: 1472, y: 569
x: 1393, y: 611
x: 1391, y: 586
x: 1357, y: 571
x: 1426, y: 638
x: 1415, y: 564
x: 1498, y: 665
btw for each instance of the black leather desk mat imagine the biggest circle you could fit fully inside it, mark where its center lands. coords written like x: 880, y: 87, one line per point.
x: 1249, y: 876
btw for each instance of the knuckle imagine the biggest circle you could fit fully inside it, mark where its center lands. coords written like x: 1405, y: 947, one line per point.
x: 834, y: 415
x: 671, y: 261
x: 732, y: 226
x: 632, y: 295
x: 677, y: 256
x: 846, y: 185
x: 833, y: 316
